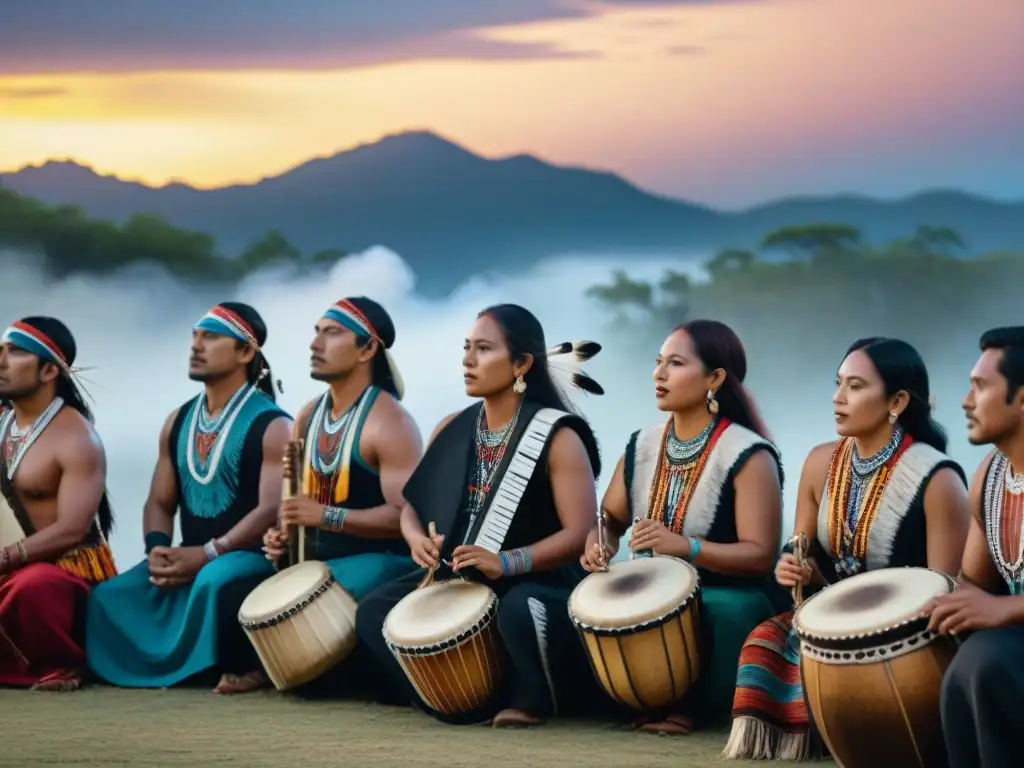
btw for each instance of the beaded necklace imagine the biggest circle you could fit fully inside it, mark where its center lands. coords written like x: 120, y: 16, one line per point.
x: 330, y: 435
x: 680, y: 465
x: 490, y: 449
x: 1004, y: 521
x: 17, y: 442
x: 207, y: 435
x: 855, y: 487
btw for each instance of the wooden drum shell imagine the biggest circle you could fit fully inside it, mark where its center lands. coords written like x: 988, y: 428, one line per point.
x: 650, y: 666
x: 460, y: 674
x: 884, y: 712
x: 302, y: 646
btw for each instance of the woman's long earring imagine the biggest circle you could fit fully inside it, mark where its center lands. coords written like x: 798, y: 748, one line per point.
x: 712, y: 403
x: 893, y: 416
x: 520, y: 384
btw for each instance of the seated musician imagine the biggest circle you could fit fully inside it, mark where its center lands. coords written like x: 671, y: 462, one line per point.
x: 884, y: 495
x: 465, y: 486
x: 54, y: 513
x: 983, y: 687
x: 174, y: 615
x: 708, y: 486
x: 360, y: 446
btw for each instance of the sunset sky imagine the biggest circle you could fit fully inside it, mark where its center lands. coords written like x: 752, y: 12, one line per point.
x: 729, y: 102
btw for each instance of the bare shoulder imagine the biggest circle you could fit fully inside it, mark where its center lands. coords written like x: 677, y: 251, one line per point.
x: 817, y: 463
x: 761, y: 465
x: 946, y: 480
x: 76, y: 437
x: 279, y: 431
x: 388, y: 414
x: 567, y: 448
x: 979, y: 474
x: 306, y: 411
x: 442, y: 424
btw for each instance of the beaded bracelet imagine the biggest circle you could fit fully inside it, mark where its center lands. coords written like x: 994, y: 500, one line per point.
x: 516, y: 562
x: 694, y: 549
x: 211, y: 550
x: 333, y: 519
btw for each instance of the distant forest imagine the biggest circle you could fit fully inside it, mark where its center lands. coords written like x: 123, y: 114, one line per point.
x: 70, y: 243
x: 925, y: 286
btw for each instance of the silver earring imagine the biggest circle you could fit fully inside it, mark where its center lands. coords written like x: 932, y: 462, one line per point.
x: 893, y: 416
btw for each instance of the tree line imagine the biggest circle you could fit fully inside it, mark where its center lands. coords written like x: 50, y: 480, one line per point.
x: 808, y: 285
x: 71, y: 243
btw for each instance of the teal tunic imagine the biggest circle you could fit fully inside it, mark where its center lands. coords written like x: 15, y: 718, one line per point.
x: 360, y: 565
x: 142, y: 636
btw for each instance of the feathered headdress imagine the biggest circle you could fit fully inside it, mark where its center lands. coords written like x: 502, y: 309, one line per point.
x: 566, y: 359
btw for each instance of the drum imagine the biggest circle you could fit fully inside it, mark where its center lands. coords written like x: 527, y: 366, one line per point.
x: 301, y: 623
x: 640, y: 625
x: 871, y: 669
x: 445, y: 639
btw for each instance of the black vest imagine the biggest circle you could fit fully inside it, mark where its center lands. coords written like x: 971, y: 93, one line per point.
x: 438, y: 489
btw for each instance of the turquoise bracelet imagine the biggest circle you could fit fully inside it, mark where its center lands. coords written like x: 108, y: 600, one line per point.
x: 694, y: 549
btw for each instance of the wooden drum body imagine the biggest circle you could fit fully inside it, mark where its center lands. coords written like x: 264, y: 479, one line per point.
x: 445, y: 639
x: 872, y: 672
x: 640, y: 626
x: 301, y: 623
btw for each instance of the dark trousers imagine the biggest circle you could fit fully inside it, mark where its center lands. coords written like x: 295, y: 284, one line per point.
x: 546, y: 669
x: 981, y: 700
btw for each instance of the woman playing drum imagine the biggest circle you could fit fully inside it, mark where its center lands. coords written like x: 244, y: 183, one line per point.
x: 509, y: 485
x: 709, y: 484
x: 884, y: 495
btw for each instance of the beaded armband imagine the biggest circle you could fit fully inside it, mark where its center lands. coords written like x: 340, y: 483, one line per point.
x: 333, y: 519
x: 515, y: 562
x: 210, y: 549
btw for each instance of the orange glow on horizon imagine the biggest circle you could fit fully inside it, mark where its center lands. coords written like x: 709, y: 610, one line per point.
x: 758, y: 79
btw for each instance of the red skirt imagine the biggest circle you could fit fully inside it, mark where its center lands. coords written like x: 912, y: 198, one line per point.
x: 42, y: 609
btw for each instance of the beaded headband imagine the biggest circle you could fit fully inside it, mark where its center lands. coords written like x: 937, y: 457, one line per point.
x: 227, y: 323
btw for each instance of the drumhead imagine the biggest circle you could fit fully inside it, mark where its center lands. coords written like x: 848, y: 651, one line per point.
x: 633, y: 592
x: 870, y: 602
x: 283, y: 590
x: 437, y: 613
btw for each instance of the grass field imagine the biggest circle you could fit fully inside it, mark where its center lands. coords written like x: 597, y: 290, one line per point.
x: 191, y: 727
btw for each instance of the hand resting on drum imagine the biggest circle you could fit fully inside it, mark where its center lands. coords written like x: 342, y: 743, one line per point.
x: 470, y: 556
x: 968, y: 609
x: 593, y: 558
x: 275, y: 540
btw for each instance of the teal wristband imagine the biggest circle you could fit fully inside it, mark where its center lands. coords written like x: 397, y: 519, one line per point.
x: 694, y: 549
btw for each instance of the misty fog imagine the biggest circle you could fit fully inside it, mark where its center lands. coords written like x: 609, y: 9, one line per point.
x: 133, y: 334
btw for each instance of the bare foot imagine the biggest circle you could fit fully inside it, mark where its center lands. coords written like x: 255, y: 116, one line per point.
x: 59, y: 682
x: 672, y: 725
x: 515, y: 718
x: 246, y: 683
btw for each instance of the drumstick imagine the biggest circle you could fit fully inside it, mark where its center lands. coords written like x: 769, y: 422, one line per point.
x: 429, y: 577
x: 600, y: 538
x: 799, y: 543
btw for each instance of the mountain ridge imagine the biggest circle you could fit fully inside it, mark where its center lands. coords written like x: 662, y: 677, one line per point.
x: 450, y: 212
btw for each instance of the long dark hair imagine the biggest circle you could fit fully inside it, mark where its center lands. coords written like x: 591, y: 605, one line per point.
x: 901, y: 368
x: 525, y: 336
x: 718, y: 346
x: 258, y: 370
x: 69, y: 391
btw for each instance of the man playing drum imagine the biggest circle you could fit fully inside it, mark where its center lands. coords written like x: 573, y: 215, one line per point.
x: 174, y: 615
x: 520, y: 530
x: 984, y: 685
x: 884, y: 495
x: 708, y: 487
x: 361, y: 447
x: 54, y: 513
